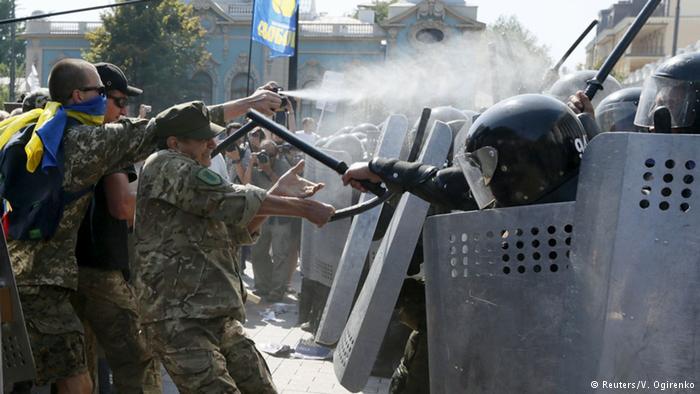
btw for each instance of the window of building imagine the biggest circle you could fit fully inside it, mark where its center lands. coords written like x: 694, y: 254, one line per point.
x: 430, y: 35
x: 239, y: 85
x: 202, y: 87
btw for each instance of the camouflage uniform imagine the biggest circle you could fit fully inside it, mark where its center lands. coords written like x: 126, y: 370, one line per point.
x: 46, y: 271
x: 108, y: 303
x: 187, y: 279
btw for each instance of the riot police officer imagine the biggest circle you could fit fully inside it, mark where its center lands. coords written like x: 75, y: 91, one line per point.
x: 672, y: 96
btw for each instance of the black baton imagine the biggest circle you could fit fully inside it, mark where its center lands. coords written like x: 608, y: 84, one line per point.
x: 596, y: 83
x: 336, y: 165
x: 231, y: 139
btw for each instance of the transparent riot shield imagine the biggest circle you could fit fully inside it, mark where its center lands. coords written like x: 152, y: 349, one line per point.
x: 501, y: 302
x: 17, y: 359
x: 321, y: 247
x: 358, y: 244
x: 361, y: 339
x: 637, y: 246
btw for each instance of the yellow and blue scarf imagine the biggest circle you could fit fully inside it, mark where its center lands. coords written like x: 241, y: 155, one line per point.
x: 50, y: 121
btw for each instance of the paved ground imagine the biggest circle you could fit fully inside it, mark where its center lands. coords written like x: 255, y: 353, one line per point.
x: 292, y: 376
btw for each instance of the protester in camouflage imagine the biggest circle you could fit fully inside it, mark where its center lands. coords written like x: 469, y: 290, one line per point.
x: 187, y: 278
x: 46, y: 271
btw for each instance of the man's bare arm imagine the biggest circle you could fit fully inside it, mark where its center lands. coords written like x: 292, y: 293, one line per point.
x: 261, y: 100
x: 121, y: 202
x: 316, y: 212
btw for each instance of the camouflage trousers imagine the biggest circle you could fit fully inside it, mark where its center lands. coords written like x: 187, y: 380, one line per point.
x: 107, y: 305
x: 55, y: 332
x: 210, y: 356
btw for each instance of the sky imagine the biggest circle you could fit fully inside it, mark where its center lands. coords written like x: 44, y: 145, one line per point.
x: 556, y: 23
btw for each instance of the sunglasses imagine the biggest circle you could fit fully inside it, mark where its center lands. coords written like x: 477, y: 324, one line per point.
x: 99, y: 89
x: 120, y: 102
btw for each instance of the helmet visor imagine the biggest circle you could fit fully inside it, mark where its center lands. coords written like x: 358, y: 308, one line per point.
x: 677, y: 95
x: 477, y: 180
x: 617, y: 117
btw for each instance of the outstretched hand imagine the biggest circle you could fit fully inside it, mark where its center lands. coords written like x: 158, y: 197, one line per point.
x: 291, y: 184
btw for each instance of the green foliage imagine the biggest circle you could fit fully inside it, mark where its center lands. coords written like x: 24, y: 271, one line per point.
x: 616, y: 72
x: 6, y: 43
x: 381, y: 9
x: 158, y: 46
x: 511, y: 29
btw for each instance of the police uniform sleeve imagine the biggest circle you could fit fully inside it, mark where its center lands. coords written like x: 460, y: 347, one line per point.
x: 446, y: 187
x: 93, y: 151
x: 202, y: 192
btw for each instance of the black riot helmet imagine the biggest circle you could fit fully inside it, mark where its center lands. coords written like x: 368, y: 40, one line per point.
x: 674, y: 87
x: 616, y: 112
x: 453, y: 117
x: 569, y: 84
x: 370, y: 136
x: 522, y: 149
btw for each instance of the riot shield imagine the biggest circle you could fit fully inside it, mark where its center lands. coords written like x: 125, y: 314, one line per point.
x: 17, y: 359
x: 638, y: 250
x: 358, y: 243
x: 360, y: 341
x: 321, y: 247
x: 501, y: 302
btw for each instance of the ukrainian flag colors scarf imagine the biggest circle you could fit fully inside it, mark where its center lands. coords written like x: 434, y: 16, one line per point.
x: 50, y: 122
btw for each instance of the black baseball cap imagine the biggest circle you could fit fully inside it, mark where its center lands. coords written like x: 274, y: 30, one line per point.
x: 187, y: 120
x: 114, y: 79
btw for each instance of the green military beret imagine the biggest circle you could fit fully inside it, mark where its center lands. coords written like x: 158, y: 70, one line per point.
x: 187, y: 120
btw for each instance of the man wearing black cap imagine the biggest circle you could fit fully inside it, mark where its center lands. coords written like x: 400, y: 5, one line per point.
x: 186, y: 274
x: 45, y: 266
x: 105, y: 300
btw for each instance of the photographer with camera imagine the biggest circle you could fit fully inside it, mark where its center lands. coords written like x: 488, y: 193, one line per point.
x: 254, y: 140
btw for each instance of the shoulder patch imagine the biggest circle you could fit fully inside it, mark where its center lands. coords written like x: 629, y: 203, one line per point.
x: 209, y: 177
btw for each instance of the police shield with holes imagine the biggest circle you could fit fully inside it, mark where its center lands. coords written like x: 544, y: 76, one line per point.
x: 368, y: 321
x: 357, y: 247
x: 636, y: 251
x: 321, y: 247
x: 551, y: 171
x: 497, y: 275
x: 17, y: 360
x: 518, y: 298
x: 503, y: 313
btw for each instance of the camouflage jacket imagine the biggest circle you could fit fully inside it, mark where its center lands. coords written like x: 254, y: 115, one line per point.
x: 90, y: 152
x: 187, y: 217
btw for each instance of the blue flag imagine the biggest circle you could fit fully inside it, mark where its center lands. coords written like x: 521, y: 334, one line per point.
x: 274, y: 25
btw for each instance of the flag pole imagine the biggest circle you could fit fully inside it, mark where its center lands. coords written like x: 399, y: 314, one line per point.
x: 250, y: 50
x: 294, y: 61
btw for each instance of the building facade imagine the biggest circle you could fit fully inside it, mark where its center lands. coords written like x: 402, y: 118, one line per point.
x: 326, y: 43
x: 655, y: 39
